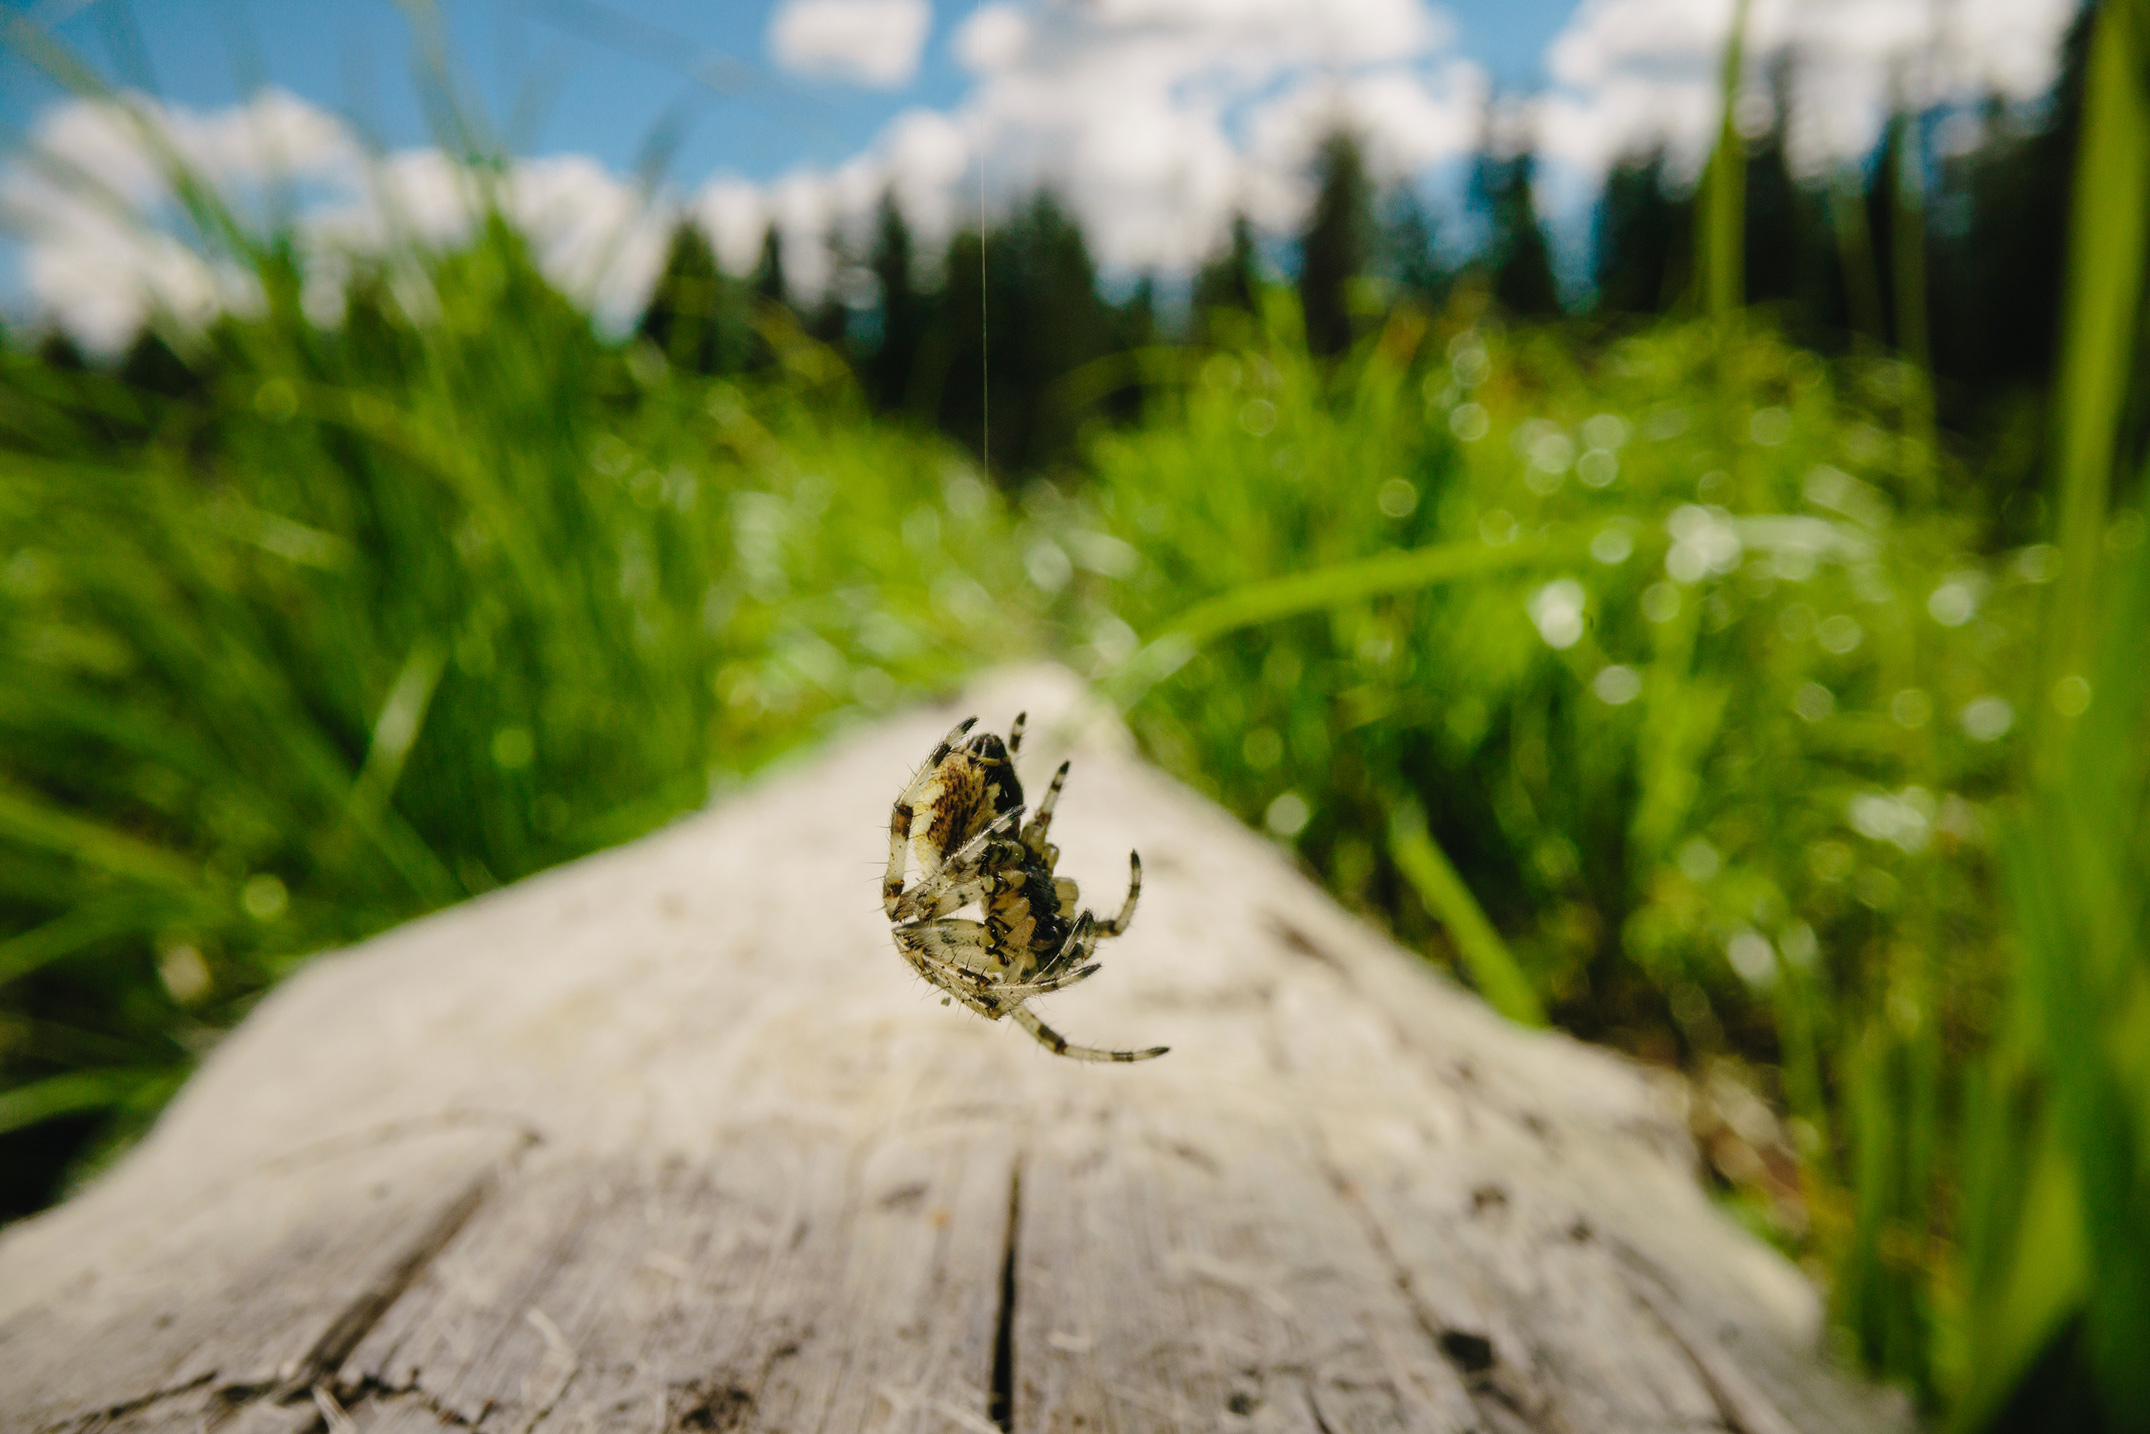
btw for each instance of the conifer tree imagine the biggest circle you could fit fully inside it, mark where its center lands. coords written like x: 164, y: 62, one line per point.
x: 1642, y: 237
x: 768, y: 279
x: 682, y: 316
x: 1410, y: 257
x: 1337, y: 242
x: 56, y: 349
x: 1518, y: 259
x: 1135, y: 322
x: 152, y: 366
x: 1228, y: 281
x: 830, y: 321
x: 903, y: 310
x: 1043, y: 319
x: 1784, y: 222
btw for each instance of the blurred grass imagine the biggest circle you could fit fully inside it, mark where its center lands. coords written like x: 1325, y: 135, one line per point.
x: 384, y: 615
x: 1660, y: 680
x: 2057, y: 1214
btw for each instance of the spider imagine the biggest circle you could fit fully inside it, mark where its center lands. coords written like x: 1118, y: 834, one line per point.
x: 959, y: 817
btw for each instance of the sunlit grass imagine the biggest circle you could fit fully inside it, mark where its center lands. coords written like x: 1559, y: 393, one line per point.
x: 388, y: 615
x: 1642, y: 678
x: 1658, y: 683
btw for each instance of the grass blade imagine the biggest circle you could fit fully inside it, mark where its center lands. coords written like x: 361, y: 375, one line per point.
x: 1492, y: 966
x: 70, y: 1094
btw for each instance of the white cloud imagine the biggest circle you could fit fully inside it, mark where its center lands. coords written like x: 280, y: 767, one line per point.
x: 1631, y: 73
x: 90, y: 197
x: 871, y: 42
x: 1153, y: 119
x: 106, y: 246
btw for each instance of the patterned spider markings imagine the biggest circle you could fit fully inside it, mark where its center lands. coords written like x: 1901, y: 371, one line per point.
x: 959, y: 818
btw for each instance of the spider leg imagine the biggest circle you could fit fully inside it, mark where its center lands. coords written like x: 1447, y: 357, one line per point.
x: 1015, y: 733
x: 1059, y: 1045
x: 1034, y: 833
x: 1118, y: 924
x: 961, y: 869
x: 936, y: 950
x: 1080, y: 941
x: 899, y: 821
x: 954, y: 943
x: 1050, y: 984
x: 950, y: 891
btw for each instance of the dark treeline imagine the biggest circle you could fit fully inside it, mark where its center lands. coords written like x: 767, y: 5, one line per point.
x: 1026, y: 373
x: 1947, y: 255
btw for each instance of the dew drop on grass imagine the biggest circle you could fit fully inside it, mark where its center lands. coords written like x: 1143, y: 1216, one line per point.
x: 1287, y: 815
x: 264, y: 896
x: 1839, y: 634
x: 1698, y: 861
x: 1751, y: 955
x: 1814, y: 702
x: 1617, y: 685
x: 1986, y: 719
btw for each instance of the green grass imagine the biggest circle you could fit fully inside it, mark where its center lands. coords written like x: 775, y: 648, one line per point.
x: 387, y: 615
x: 2057, y: 1111
x: 1662, y: 682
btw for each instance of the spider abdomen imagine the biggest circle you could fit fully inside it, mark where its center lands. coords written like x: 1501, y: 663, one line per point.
x: 972, y: 785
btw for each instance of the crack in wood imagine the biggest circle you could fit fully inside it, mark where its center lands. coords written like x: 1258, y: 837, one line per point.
x: 1743, y: 1408
x: 371, y: 1394
x: 1000, y: 1402
x: 120, y: 1409
x: 362, y: 1314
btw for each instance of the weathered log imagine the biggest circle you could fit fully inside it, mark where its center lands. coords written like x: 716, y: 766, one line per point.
x: 671, y: 1140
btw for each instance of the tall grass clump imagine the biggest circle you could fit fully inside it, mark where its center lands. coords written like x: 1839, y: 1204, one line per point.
x: 1639, y: 677
x: 1659, y: 682
x: 2056, y: 1207
x: 1665, y: 682
x: 356, y: 620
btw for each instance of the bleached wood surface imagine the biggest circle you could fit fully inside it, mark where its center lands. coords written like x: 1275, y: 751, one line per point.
x: 672, y: 1140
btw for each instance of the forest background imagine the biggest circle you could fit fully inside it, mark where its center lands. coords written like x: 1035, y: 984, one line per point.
x: 1737, y: 669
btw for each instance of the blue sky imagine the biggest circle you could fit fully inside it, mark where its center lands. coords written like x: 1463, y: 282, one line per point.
x: 1156, y: 120
x: 585, y: 76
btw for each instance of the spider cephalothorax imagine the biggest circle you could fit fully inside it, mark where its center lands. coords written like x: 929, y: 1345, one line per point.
x: 958, y: 818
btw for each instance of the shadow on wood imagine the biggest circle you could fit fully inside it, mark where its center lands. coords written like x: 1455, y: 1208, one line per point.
x: 672, y: 1140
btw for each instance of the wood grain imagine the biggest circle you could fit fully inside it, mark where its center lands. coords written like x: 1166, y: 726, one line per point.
x: 670, y: 1140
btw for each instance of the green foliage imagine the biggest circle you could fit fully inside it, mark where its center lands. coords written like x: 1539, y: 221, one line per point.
x: 2058, y: 1222
x: 395, y: 612
x: 1666, y: 681
x: 1655, y: 651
